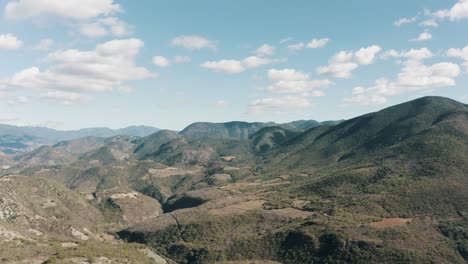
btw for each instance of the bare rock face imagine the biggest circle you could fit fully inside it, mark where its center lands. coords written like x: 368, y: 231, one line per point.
x: 126, y: 206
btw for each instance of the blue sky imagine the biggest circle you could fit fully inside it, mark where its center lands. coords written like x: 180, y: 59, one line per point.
x: 86, y: 63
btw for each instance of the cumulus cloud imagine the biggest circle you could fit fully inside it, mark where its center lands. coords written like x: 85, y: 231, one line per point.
x: 414, y: 76
x: 412, y: 54
x: 286, y: 75
x: 294, y: 82
x: 457, y: 12
x: 278, y: 103
x: 109, y: 65
x: 75, y: 9
x: 227, y: 66
x: 162, y: 61
x: 343, y: 63
x: 423, y: 36
x: 265, y: 50
x: 238, y: 66
x: 404, y: 20
x: 313, y: 44
x: 338, y: 70
x: 10, y: 42
x: 429, y: 23
x: 93, y: 30
x: 295, y: 88
x: 44, y: 44
x: 109, y: 26
x: 193, y: 42
x: 366, y: 56
x: 255, y: 61
x: 461, y: 54
x: 317, y: 43
x: 296, y: 47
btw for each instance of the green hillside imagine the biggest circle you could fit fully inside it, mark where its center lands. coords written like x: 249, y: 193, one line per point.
x: 385, y: 187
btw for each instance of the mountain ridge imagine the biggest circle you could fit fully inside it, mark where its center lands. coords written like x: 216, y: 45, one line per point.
x: 16, y: 139
x: 384, y: 187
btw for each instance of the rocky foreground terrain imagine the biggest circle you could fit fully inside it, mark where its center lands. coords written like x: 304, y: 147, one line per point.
x: 385, y: 187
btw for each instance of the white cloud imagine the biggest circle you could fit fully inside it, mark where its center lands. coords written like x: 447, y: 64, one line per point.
x: 294, y: 86
x: 338, y: 70
x: 66, y: 98
x: 404, y: 20
x: 313, y: 44
x: 109, y: 26
x: 343, y: 63
x: 44, y: 44
x: 412, y: 54
x: 457, y: 12
x: 429, y: 23
x: 10, y: 42
x: 116, y: 27
x: 296, y: 46
x: 317, y: 43
x: 295, y: 82
x: 460, y: 53
x: 265, y: 50
x: 93, y: 30
x: 161, y: 61
x: 286, y: 75
x: 109, y: 65
x: 228, y: 66
x: 76, y: 9
x: 423, y: 36
x: 366, y: 56
x: 277, y: 103
x: 238, y: 66
x: 193, y: 42
x: 255, y: 62
x: 414, y: 76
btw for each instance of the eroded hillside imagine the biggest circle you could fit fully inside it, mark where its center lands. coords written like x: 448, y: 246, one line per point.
x: 386, y: 187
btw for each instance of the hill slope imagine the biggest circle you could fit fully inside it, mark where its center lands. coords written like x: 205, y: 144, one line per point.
x: 243, y: 130
x: 362, y: 136
x: 385, y: 187
x: 230, y: 130
x: 270, y: 137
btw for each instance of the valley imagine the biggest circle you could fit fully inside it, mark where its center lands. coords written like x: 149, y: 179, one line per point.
x: 385, y: 187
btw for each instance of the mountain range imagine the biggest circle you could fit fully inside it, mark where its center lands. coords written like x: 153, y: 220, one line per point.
x: 15, y: 139
x: 384, y: 187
